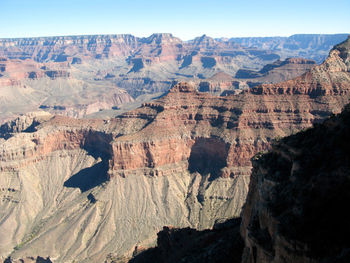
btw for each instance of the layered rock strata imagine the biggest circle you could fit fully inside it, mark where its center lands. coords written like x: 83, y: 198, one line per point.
x: 223, y: 84
x: 66, y: 75
x: 91, y: 189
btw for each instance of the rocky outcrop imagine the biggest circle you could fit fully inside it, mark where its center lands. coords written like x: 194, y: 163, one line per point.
x: 20, y: 70
x: 29, y: 260
x: 59, y: 73
x: 24, y: 123
x: 295, y: 206
x: 157, y: 48
x: 62, y: 49
x: 106, y: 101
x: 222, y: 84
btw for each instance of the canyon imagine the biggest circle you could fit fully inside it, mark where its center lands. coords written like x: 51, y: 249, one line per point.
x: 91, y: 190
x: 294, y: 209
x: 103, y: 76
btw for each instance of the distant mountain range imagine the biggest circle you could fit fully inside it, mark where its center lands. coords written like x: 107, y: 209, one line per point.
x: 81, y: 75
x: 311, y: 46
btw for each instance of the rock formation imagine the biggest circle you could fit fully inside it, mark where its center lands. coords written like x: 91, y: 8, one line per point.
x: 95, y: 189
x: 223, y: 84
x: 295, y: 206
x: 277, y: 72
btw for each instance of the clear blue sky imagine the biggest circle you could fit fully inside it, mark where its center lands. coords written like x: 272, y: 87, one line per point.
x: 184, y: 18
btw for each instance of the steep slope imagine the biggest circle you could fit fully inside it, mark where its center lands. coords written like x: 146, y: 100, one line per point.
x: 298, y: 191
x: 91, y: 189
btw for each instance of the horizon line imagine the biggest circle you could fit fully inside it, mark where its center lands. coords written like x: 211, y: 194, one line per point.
x: 129, y: 34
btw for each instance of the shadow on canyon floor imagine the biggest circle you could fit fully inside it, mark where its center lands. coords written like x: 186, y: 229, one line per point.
x: 90, y: 177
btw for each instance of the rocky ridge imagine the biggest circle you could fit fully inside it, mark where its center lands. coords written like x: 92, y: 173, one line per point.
x: 187, y: 155
x: 294, y: 209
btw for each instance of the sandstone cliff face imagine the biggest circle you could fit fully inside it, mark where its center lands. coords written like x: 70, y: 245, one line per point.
x: 295, y: 207
x: 62, y: 49
x: 89, y: 189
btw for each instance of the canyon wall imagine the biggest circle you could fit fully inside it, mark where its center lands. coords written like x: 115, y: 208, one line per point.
x: 294, y: 210
x: 88, y: 190
x: 295, y: 206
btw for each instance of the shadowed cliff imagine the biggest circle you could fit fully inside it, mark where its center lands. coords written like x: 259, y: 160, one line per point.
x: 299, y: 191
